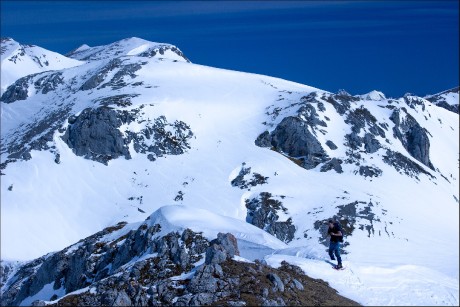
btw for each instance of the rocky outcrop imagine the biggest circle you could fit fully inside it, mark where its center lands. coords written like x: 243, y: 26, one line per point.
x: 264, y: 212
x: 293, y: 138
x: 363, y: 215
x: 49, y: 82
x: 140, y: 267
x: 244, y: 181
x: 96, y: 79
x: 151, y: 52
x: 361, y: 119
x: 38, y: 136
x: 95, y: 259
x: 159, y: 138
x: 369, y: 171
x: 334, y: 164
x: 230, y: 283
x: 17, y: 91
x: 412, y: 136
x: 404, y: 165
x: 95, y: 134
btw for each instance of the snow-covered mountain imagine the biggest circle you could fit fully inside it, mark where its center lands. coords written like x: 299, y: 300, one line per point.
x: 136, y: 129
x: 18, y: 60
x: 447, y: 99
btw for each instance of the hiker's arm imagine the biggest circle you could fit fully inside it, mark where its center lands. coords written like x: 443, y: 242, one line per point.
x: 338, y: 233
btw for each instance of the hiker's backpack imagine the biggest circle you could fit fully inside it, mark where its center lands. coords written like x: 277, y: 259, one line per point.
x: 339, y: 227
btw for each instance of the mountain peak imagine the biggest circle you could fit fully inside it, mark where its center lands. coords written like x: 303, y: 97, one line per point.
x: 374, y: 95
x: 128, y: 47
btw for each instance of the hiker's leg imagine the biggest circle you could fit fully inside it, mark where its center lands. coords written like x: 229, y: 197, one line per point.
x: 331, y: 250
x: 337, y: 254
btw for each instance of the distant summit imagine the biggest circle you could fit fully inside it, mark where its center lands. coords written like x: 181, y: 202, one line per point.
x: 125, y: 47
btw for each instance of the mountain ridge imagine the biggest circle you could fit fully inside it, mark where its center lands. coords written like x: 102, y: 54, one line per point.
x: 119, y: 137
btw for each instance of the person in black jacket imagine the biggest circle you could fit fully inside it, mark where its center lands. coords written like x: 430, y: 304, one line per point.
x: 335, y: 231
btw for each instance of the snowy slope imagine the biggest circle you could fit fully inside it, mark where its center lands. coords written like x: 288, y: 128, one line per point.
x: 19, y: 60
x: 184, y: 133
x: 448, y: 100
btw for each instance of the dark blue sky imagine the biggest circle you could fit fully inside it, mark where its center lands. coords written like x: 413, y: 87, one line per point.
x: 392, y: 46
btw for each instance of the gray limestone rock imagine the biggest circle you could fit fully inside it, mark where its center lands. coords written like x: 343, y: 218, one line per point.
x: 331, y: 145
x: 263, y: 140
x: 228, y: 243
x: 96, y: 79
x: 247, y: 183
x: 95, y: 135
x: 263, y: 213
x: 369, y: 171
x: 17, y: 91
x: 413, y: 137
x: 293, y: 138
x: 334, y: 164
x: 276, y: 281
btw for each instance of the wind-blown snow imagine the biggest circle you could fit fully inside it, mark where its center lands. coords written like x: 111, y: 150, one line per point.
x: 173, y: 218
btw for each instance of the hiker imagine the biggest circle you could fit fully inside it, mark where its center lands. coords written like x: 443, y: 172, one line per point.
x: 335, y: 231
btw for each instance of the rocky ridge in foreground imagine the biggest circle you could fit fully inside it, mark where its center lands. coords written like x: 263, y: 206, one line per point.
x: 119, y: 266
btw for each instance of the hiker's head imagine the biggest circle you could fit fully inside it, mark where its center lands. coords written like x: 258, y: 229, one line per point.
x: 331, y: 223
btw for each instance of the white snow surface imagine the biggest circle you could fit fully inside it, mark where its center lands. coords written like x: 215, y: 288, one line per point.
x: 411, y: 258
x: 451, y: 97
x: 373, y: 95
x: 180, y: 217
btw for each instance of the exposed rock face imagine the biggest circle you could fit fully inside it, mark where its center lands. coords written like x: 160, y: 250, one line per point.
x: 453, y: 108
x: 297, y: 137
x: 161, y: 50
x: 413, y: 137
x: 293, y: 138
x: 94, y: 134
x: 441, y: 99
x: 359, y: 119
x: 331, y: 145
x: 37, y: 137
x: 49, y: 82
x: 118, y: 69
x: 222, y: 248
x: 369, y: 171
x: 142, y: 268
x: 159, y: 138
x: 403, y: 164
x: 17, y: 91
x: 93, y: 259
x: 264, y: 211
x: 96, y: 79
x: 245, y: 181
x: 333, y: 164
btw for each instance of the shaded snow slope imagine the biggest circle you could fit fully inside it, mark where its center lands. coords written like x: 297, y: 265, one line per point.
x: 18, y: 60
